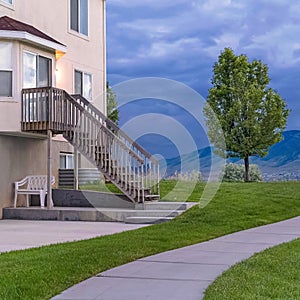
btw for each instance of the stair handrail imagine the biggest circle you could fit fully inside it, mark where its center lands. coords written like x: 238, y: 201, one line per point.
x: 78, y: 106
x: 118, y: 132
x: 106, y: 129
x: 111, y: 124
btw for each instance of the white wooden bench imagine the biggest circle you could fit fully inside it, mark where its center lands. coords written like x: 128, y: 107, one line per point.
x: 32, y: 185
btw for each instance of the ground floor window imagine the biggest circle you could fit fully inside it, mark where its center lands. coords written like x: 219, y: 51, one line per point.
x: 83, y: 84
x: 66, y: 161
x: 5, y: 69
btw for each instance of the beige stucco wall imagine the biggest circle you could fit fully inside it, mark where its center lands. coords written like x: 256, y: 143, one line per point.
x: 84, y: 53
x: 19, y: 157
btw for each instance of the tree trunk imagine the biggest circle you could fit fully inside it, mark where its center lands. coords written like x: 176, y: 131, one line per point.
x: 247, y: 175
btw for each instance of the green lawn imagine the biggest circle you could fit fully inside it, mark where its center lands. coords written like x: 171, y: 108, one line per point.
x: 272, y: 274
x: 44, y: 272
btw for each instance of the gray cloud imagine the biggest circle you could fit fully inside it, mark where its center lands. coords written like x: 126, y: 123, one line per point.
x: 181, y: 40
x: 146, y: 3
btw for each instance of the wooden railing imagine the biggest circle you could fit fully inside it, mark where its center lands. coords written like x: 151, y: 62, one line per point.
x: 151, y: 167
x: 49, y: 108
x: 117, y: 156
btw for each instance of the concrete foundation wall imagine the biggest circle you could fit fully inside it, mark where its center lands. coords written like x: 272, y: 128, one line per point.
x: 22, y: 156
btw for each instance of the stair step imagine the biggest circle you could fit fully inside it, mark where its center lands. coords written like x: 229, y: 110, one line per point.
x: 152, y: 197
x: 146, y: 220
x: 179, y: 206
x: 121, y: 214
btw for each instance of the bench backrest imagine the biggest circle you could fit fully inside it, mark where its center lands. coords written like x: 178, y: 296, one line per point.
x: 38, y: 182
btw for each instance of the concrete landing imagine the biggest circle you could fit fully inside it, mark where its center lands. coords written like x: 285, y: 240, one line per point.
x: 150, y: 213
x: 182, y: 273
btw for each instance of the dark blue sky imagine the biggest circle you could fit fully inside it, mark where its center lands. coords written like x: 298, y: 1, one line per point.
x: 181, y: 40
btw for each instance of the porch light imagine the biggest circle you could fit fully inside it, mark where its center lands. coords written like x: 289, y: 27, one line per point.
x: 57, y: 74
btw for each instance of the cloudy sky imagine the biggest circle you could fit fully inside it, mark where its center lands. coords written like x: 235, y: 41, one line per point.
x: 181, y: 40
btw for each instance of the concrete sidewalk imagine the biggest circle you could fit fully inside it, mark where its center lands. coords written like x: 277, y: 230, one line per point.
x: 18, y: 234
x: 183, y: 273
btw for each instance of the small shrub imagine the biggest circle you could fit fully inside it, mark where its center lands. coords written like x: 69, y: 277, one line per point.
x: 235, y: 173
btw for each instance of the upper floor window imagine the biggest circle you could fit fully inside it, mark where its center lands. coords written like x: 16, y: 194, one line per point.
x: 36, y: 70
x: 83, y: 84
x: 79, y: 16
x: 5, y: 69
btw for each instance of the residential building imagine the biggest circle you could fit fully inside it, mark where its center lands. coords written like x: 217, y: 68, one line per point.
x: 58, y: 43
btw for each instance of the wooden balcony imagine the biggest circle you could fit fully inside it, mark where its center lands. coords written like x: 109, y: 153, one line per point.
x: 49, y: 109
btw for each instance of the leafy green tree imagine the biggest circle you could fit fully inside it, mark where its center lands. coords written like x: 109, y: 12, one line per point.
x: 252, y: 116
x: 112, y: 104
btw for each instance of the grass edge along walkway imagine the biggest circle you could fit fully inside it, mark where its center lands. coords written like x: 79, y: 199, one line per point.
x: 271, y: 274
x: 42, y: 273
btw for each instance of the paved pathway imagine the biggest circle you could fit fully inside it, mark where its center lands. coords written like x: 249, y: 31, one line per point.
x: 17, y: 234
x: 183, y: 273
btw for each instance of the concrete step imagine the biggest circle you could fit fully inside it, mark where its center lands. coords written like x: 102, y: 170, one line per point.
x: 152, y: 197
x: 122, y: 214
x: 146, y: 220
x: 165, y: 205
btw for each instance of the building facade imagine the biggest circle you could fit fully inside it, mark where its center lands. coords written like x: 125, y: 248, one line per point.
x: 58, y: 43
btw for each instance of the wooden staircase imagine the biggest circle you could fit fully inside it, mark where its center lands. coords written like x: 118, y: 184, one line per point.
x: 125, y: 163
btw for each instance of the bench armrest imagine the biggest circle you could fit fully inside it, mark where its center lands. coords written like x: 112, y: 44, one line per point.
x: 21, y: 182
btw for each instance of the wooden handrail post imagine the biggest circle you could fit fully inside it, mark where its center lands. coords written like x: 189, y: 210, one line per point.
x: 75, y: 169
x: 50, y: 107
x: 49, y: 170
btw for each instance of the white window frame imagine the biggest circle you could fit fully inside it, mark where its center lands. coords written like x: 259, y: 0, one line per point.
x: 7, y: 3
x: 10, y: 69
x: 78, y: 32
x: 67, y: 156
x: 84, y: 74
x: 37, y: 111
x: 37, y: 55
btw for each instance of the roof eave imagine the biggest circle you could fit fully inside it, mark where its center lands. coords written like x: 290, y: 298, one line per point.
x: 25, y: 36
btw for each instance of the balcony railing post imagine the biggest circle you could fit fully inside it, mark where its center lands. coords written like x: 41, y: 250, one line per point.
x: 49, y: 116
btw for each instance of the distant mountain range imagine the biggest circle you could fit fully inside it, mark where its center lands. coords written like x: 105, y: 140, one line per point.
x: 282, y: 161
